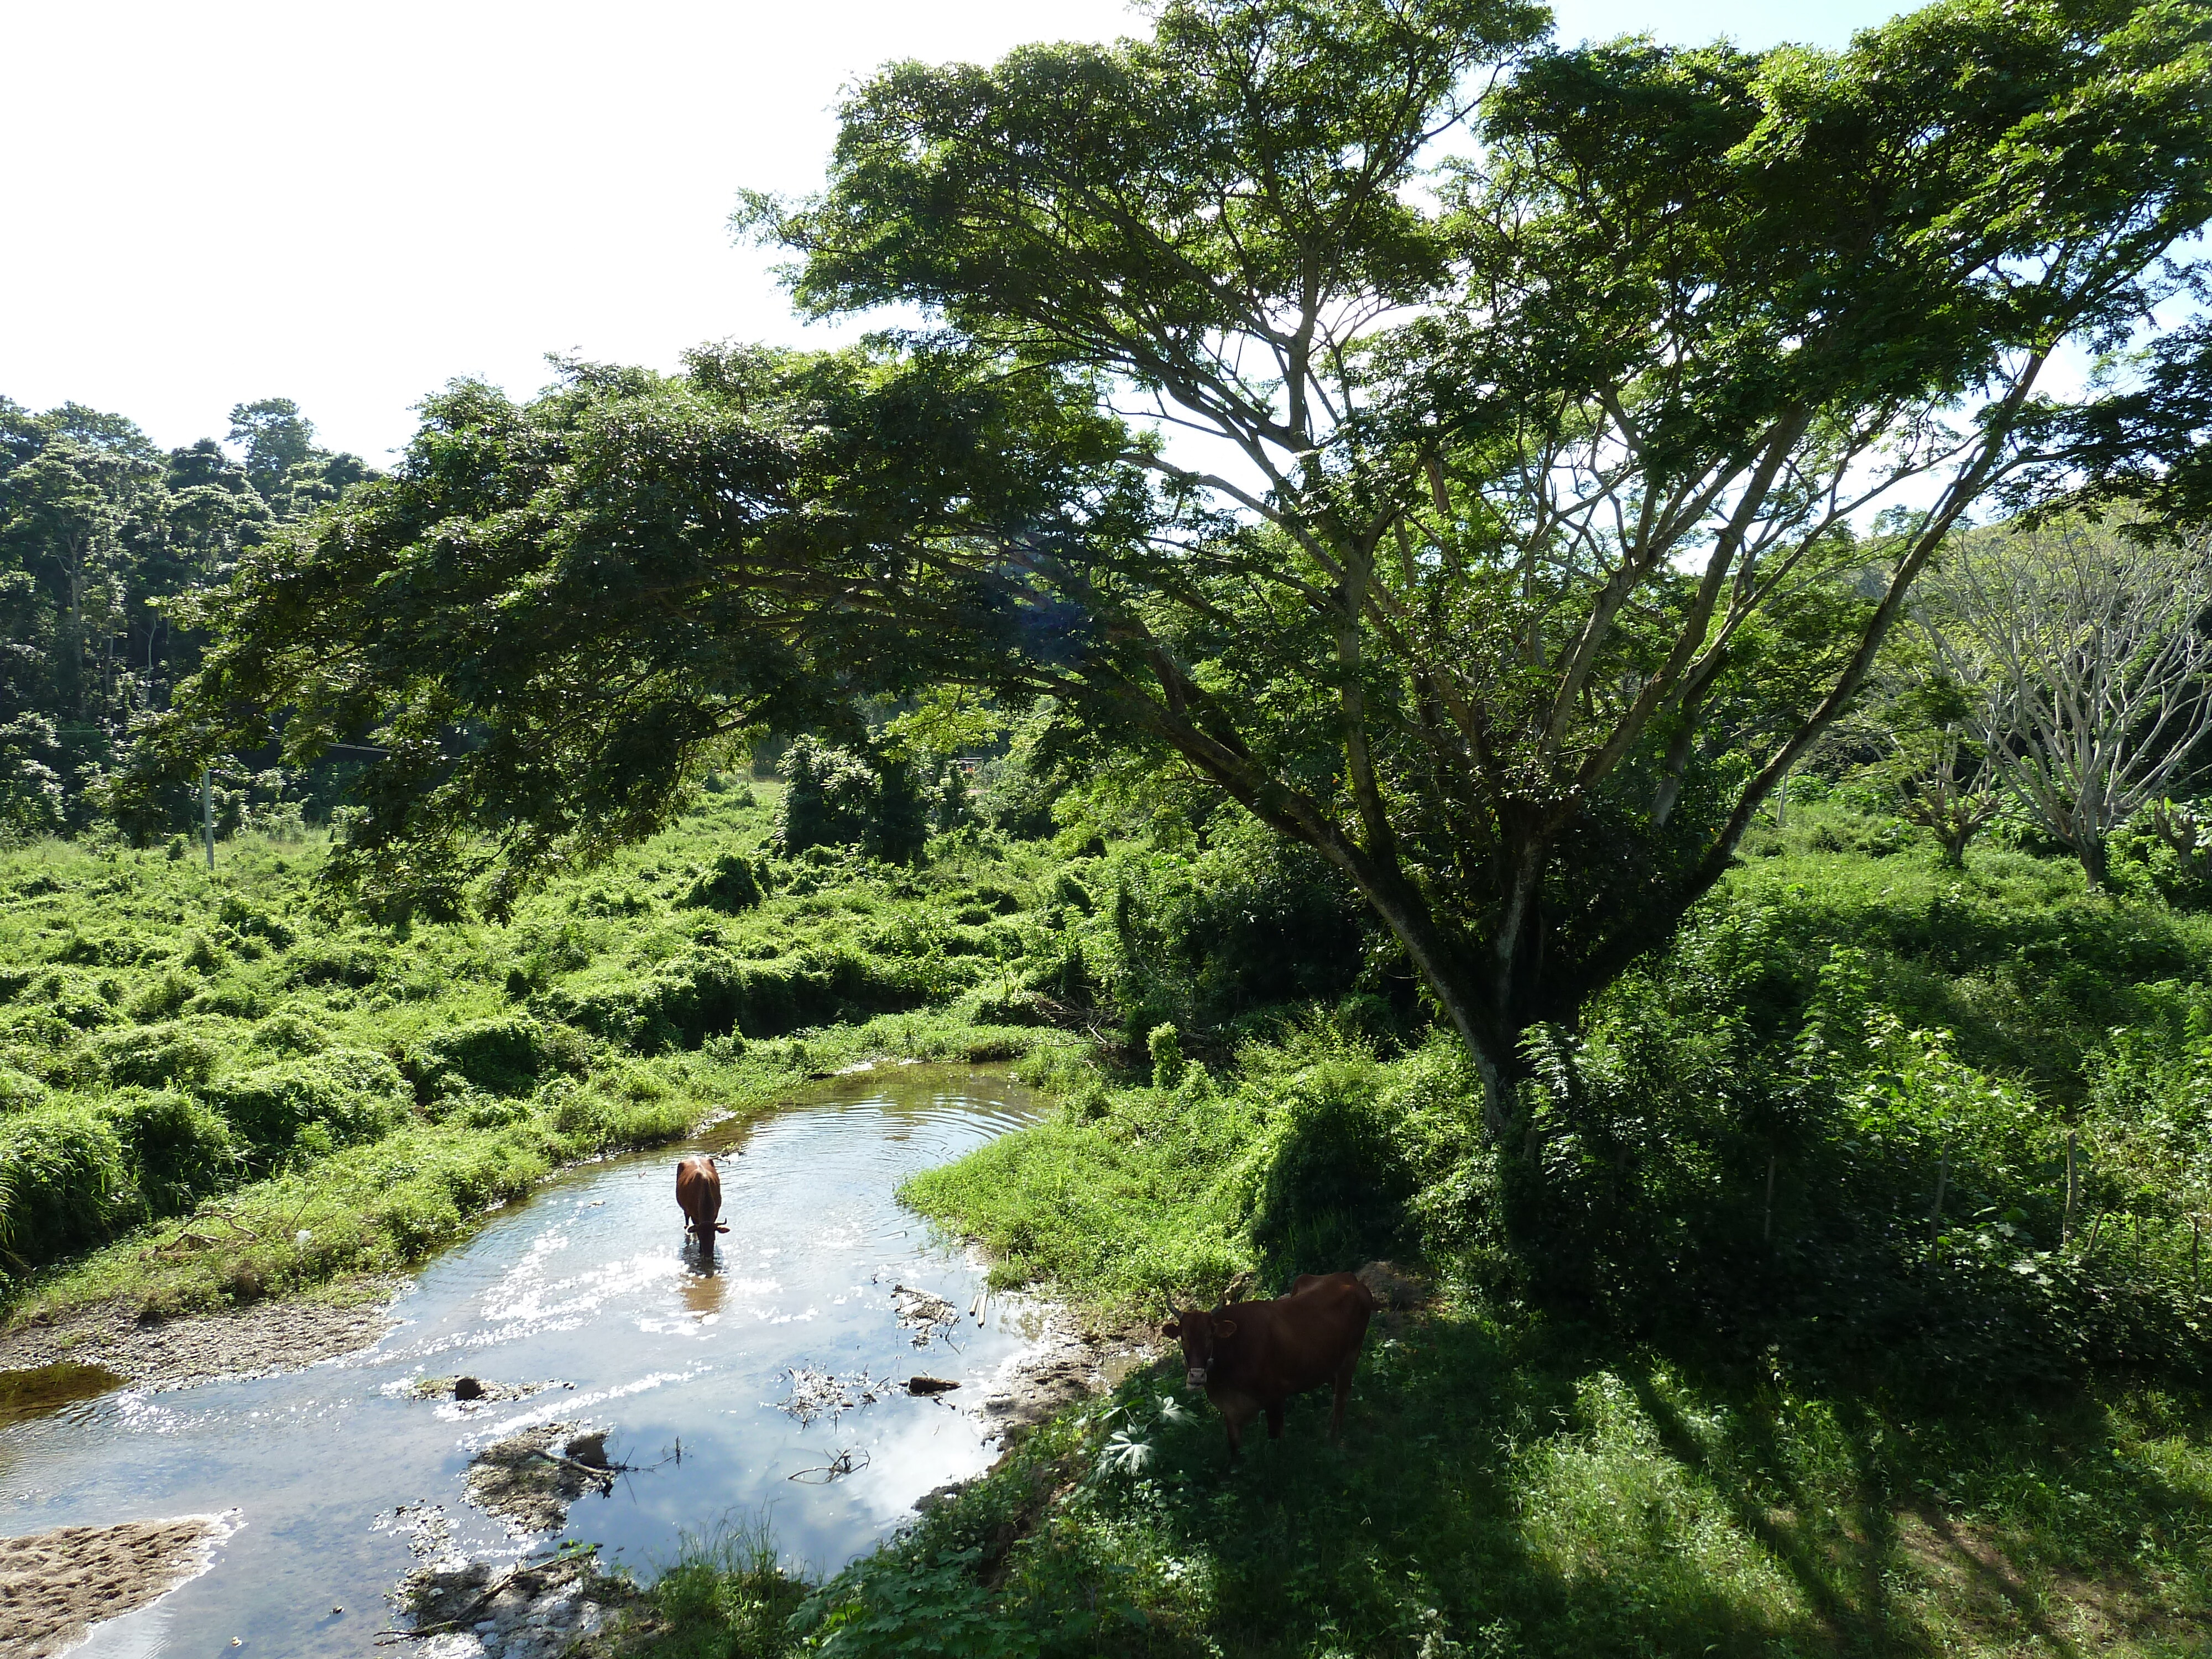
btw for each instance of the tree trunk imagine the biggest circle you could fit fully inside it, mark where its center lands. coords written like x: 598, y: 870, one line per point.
x: 2095, y: 862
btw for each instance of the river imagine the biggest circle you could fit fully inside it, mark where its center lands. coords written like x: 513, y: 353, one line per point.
x: 337, y: 1472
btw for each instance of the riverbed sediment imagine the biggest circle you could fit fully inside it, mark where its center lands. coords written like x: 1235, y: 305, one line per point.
x: 55, y: 1586
x: 251, y: 1341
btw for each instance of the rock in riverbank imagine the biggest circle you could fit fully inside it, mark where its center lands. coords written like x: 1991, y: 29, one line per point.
x: 526, y: 1610
x: 530, y: 1478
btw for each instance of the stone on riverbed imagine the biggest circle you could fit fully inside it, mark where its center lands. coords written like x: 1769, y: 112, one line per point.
x: 477, y: 1389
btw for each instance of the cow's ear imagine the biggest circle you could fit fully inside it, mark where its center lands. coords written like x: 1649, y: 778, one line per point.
x: 1225, y: 1327
x: 1173, y: 1327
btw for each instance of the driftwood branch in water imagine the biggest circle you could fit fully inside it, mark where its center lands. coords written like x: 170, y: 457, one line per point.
x: 597, y: 1471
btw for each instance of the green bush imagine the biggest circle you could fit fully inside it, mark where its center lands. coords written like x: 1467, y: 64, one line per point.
x: 289, y: 1033
x: 355, y: 1095
x: 1655, y: 1137
x: 20, y: 1091
x: 251, y: 920
x: 708, y: 992
x: 81, y: 1000
x: 726, y: 1598
x: 506, y: 1055
x: 839, y: 799
x: 181, y: 1148
x: 729, y: 887
x: 1330, y: 1181
x: 162, y: 997
x: 151, y: 1056
x: 68, y: 1182
x: 1007, y: 1004
x: 333, y: 962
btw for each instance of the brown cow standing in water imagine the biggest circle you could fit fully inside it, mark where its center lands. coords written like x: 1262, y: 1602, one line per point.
x: 1250, y: 1357
x: 699, y: 1195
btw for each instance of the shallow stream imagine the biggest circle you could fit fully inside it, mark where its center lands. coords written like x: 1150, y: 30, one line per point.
x: 336, y: 1471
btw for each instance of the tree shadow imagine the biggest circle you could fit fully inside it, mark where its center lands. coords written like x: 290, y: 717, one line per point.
x: 2000, y: 1561
x: 1541, y: 1491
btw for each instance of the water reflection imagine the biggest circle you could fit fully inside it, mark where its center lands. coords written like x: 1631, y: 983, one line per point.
x: 703, y: 1292
x: 45, y: 1390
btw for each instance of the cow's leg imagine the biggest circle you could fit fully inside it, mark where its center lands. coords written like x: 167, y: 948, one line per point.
x: 1275, y: 1421
x: 1236, y: 1413
x: 1343, y: 1393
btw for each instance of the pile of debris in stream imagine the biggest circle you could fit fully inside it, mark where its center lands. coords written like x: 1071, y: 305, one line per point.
x: 532, y: 1609
x: 529, y: 1478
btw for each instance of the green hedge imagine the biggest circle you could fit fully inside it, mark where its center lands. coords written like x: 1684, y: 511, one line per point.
x: 64, y: 1182
x: 506, y: 1055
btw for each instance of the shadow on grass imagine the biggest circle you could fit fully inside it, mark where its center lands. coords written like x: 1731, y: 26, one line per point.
x: 1539, y: 1495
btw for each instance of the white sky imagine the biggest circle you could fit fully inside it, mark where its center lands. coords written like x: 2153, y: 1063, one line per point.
x: 350, y: 205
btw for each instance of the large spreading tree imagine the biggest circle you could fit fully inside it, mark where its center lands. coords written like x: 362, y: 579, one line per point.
x: 1448, y: 446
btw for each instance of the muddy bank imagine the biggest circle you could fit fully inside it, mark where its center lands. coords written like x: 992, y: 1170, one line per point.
x: 55, y: 1586
x: 269, y: 1336
x: 1070, y: 1362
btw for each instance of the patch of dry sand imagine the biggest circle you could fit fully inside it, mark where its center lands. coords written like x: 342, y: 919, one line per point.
x: 55, y: 1586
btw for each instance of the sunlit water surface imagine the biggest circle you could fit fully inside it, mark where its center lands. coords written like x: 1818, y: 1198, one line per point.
x: 590, y: 1283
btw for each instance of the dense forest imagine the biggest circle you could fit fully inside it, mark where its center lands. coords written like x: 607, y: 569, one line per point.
x: 98, y: 528
x: 1661, y: 782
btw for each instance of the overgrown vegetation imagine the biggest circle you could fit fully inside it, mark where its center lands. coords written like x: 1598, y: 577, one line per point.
x: 1652, y: 1411
x: 1389, y: 850
x: 1657, y: 1411
x: 223, y: 1093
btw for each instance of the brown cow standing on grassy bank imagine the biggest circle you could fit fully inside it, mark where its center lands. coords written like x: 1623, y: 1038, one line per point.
x: 699, y: 1195
x: 1250, y: 1357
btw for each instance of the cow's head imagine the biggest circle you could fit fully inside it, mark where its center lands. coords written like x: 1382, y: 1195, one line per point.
x: 1198, y: 1333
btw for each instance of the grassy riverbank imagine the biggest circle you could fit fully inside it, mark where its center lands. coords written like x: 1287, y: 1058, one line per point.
x: 1710, y: 1369
x: 210, y: 1093
x: 1768, y: 1331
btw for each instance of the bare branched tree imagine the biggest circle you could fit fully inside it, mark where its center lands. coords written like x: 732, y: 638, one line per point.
x: 2086, y: 654
x: 1948, y: 801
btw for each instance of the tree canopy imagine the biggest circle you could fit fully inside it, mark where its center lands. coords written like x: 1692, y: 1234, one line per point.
x: 98, y: 528
x: 1547, y: 387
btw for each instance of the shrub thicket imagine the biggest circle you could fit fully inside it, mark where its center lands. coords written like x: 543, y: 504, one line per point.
x: 835, y: 797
